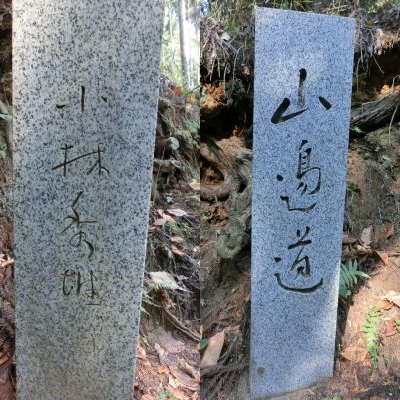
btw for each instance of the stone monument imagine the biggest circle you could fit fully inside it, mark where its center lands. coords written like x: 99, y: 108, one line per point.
x: 85, y: 104
x: 303, y: 76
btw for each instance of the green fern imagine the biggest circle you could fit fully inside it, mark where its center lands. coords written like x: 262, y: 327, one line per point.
x: 372, y: 334
x: 147, y: 297
x: 157, y: 287
x: 349, y: 277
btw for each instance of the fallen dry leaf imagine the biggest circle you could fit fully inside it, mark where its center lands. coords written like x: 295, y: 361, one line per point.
x: 385, y: 304
x: 177, y: 239
x: 213, y: 350
x: 176, y: 251
x: 141, y: 353
x: 384, y: 257
x: 347, y: 239
x: 194, y: 185
x: 163, y: 220
x: 183, y: 378
x: 177, y: 212
x: 388, y: 328
x: 366, y: 236
x: 354, y: 353
x: 163, y: 369
x: 393, y: 297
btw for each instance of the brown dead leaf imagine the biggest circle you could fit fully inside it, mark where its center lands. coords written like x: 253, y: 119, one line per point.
x: 163, y: 220
x: 162, y: 369
x: 385, y: 304
x: 177, y: 212
x: 160, y: 212
x: 382, y: 256
x: 141, y: 353
x: 354, y: 353
x: 177, y: 239
x: 388, y: 328
x: 347, y: 239
x: 178, y: 90
x: 194, y: 185
x: 213, y: 350
x: 393, y: 297
x: 183, y: 378
x: 176, y: 251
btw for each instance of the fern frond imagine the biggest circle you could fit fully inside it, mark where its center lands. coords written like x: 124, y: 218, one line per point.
x: 349, y: 277
x: 159, y: 286
x: 372, y: 335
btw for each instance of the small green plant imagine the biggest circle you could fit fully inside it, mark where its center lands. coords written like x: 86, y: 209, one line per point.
x: 356, y: 129
x: 3, y: 151
x: 372, y: 334
x: 396, y: 325
x: 6, y: 117
x: 387, y: 163
x: 203, y: 344
x: 165, y: 394
x: 147, y: 298
x: 352, y: 187
x: 349, y: 278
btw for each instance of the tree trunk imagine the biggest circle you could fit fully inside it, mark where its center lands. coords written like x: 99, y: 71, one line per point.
x: 183, y: 45
x: 375, y: 114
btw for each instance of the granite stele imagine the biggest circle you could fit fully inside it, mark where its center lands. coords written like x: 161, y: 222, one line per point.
x: 303, y: 76
x: 86, y: 79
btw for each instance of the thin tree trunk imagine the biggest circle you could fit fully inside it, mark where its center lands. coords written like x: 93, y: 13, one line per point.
x: 182, y: 38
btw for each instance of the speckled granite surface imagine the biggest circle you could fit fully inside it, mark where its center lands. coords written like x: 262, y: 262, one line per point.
x: 85, y: 102
x: 303, y: 76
